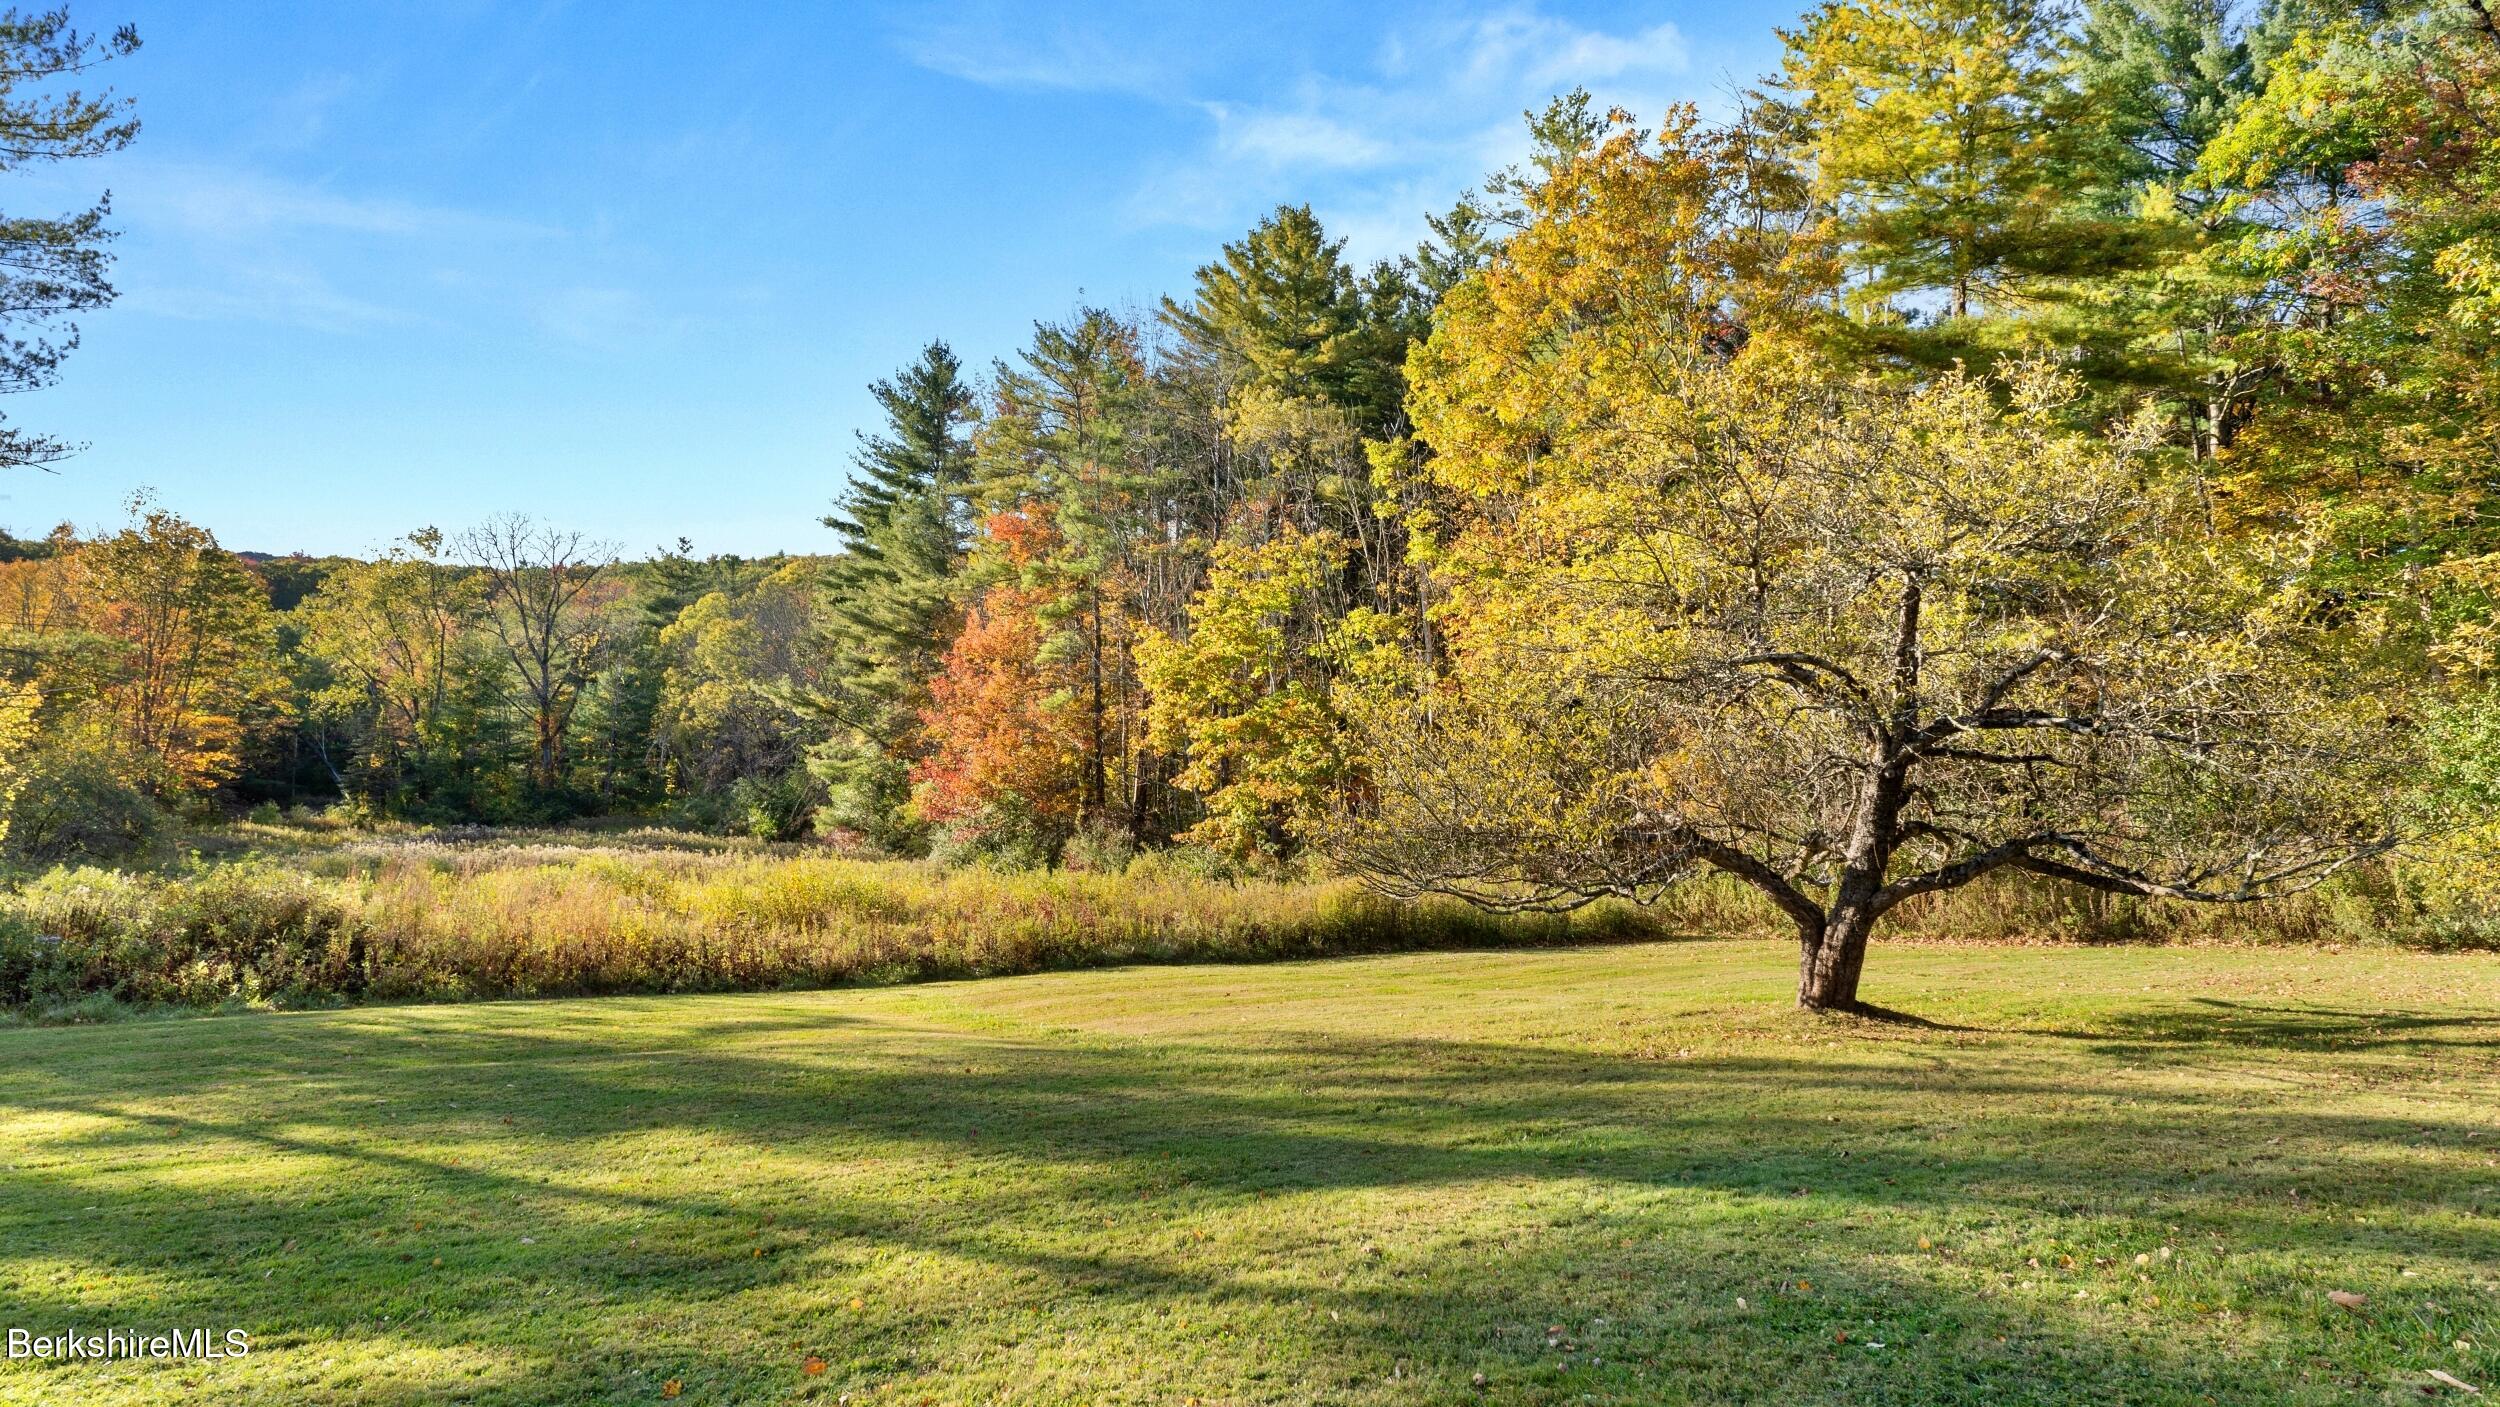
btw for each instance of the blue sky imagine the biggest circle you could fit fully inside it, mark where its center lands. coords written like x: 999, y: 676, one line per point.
x: 630, y: 266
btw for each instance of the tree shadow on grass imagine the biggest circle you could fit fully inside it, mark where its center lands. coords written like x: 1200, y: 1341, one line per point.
x: 2212, y: 1023
x: 695, y: 1209
x: 1888, y: 1016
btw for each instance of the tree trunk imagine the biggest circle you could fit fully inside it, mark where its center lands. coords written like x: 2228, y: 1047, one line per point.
x: 1097, y: 770
x: 549, y: 763
x: 1830, y: 960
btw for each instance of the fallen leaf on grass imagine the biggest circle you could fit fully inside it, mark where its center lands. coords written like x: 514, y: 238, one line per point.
x: 812, y: 1366
x: 671, y: 1388
x: 2346, y: 1299
x: 2452, y: 1381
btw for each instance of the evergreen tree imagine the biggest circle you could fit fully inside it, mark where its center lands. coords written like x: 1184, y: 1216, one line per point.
x: 1283, y: 311
x: 888, y: 601
x: 1569, y: 126
x: 1462, y: 241
x: 1963, y: 171
x: 676, y: 579
x: 1059, y: 451
x: 2165, y: 76
x: 52, y: 268
x: 625, y: 757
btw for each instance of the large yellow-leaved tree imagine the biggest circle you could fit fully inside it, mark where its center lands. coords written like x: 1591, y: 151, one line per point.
x: 1848, y: 643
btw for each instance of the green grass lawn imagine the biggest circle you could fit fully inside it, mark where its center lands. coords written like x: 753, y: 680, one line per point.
x: 1615, y: 1175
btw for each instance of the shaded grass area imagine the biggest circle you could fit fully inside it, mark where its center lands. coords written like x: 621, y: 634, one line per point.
x: 1620, y: 1175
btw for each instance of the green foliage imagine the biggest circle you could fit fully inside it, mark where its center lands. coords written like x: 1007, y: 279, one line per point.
x: 1281, y: 310
x: 1133, y: 583
x: 1722, y: 609
x: 889, y: 600
x: 1244, y: 697
x: 56, y: 268
x: 239, y: 931
x: 391, y: 639
x: 726, y: 714
x: 75, y: 801
x: 1958, y: 162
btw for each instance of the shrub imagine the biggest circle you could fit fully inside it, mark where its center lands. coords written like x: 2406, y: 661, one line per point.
x: 773, y: 808
x: 30, y: 966
x: 255, y: 929
x: 76, y: 805
x: 1004, y: 838
x: 1099, y: 850
x: 249, y: 930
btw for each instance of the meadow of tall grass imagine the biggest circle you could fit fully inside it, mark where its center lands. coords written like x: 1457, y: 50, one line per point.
x: 543, y: 914
x: 308, y: 915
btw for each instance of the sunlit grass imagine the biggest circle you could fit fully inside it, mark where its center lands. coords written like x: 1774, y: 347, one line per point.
x: 1620, y: 1174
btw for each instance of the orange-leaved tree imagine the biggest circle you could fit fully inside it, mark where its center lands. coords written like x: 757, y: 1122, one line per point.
x: 1005, y: 725
x: 195, y: 643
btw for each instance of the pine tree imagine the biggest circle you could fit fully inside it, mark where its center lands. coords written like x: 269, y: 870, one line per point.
x: 1058, y: 450
x: 1282, y: 310
x: 888, y: 601
x: 1963, y: 171
x: 2166, y: 78
x: 52, y: 268
x: 2165, y: 75
x: 1462, y: 241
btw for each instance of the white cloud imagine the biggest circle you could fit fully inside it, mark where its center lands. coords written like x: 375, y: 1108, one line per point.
x: 294, y: 295
x: 1293, y: 139
x: 1434, y: 107
x: 998, y: 54
x: 595, y: 316
x: 234, y: 204
x: 222, y: 241
x: 1522, y: 46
